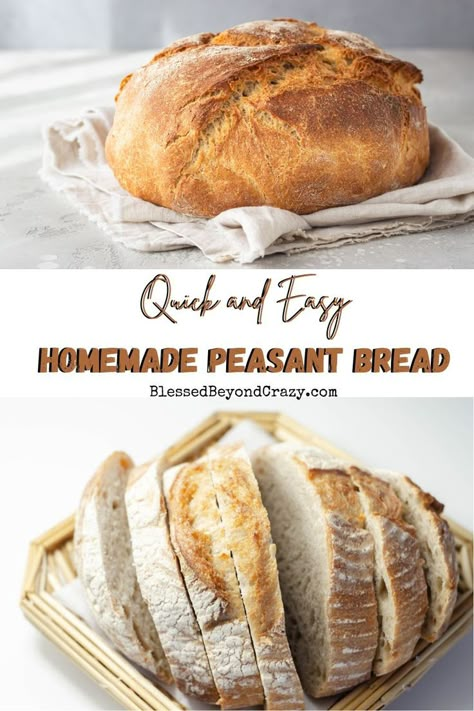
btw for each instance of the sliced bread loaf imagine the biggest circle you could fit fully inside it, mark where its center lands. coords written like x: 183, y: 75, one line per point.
x: 205, y: 560
x: 162, y: 584
x: 247, y: 531
x: 423, y: 511
x: 399, y: 579
x: 326, y: 566
x: 104, y: 564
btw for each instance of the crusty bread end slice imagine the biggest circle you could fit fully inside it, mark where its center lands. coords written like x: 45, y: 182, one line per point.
x: 423, y: 511
x: 162, y: 584
x: 103, y: 557
x: 200, y: 543
x: 247, y: 531
x: 399, y: 579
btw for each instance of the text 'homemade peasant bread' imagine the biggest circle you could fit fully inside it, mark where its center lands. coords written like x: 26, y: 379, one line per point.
x: 103, y: 558
x: 162, y: 585
x: 280, y: 112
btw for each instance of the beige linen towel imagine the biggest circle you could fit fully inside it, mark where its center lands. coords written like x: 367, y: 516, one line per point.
x: 74, y: 163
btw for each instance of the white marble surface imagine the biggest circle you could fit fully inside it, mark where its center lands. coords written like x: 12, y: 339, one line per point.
x: 39, y: 229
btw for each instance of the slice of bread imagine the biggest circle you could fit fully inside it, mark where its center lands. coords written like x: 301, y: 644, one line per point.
x: 247, y: 531
x: 162, y: 584
x: 326, y: 566
x: 199, y: 540
x: 423, y: 511
x: 104, y: 563
x: 399, y: 578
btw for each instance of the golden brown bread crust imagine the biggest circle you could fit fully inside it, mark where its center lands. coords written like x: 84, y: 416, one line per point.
x: 194, y: 544
x: 256, y: 557
x: 247, y: 530
x: 205, y: 559
x: 282, y: 113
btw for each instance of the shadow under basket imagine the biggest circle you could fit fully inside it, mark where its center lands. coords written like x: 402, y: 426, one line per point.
x: 50, y: 566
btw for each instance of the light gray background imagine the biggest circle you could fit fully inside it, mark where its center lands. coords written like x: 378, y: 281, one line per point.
x: 136, y: 24
x: 50, y: 448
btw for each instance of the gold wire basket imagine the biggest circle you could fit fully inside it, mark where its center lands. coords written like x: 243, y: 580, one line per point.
x: 50, y: 566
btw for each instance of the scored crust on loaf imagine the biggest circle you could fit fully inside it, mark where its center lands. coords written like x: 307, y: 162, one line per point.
x: 162, y: 585
x: 423, y: 511
x: 104, y: 563
x: 326, y: 566
x: 278, y: 112
x: 199, y: 540
x: 399, y: 578
x: 247, y: 531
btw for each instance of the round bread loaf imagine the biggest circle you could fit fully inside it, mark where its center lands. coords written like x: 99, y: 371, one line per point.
x: 282, y: 113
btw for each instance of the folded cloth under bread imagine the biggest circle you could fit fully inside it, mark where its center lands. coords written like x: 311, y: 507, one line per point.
x: 74, y: 163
